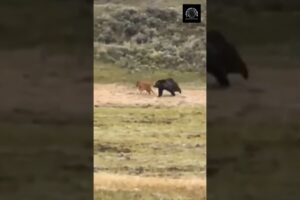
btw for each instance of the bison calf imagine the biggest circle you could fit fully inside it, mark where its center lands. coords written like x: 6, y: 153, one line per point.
x: 144, y: 86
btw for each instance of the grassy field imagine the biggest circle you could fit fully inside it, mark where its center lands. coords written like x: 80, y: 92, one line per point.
x: 154, y: 143
x: 129, y: 140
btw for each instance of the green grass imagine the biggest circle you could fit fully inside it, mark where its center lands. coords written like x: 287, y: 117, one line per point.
x: 121, y: 195
x: 109, y: 73
x: 167, y: 142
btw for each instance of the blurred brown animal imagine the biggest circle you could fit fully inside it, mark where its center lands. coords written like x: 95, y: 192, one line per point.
x: 143, y: 85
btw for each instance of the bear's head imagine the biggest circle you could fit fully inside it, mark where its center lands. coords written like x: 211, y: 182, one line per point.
x: 158, y: 83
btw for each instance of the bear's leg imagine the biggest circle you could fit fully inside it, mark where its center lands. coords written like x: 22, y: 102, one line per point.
x: 160, y: 92
x: 222, y: 79
x: 173, y: 93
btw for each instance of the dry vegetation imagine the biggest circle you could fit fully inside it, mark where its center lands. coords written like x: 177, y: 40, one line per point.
x: 110, y: 186
x: 148, y: 39
x: 113, y: 182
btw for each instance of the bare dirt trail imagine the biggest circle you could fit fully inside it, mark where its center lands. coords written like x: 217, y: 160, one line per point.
x: 105, y: 181
x: 119, y: 95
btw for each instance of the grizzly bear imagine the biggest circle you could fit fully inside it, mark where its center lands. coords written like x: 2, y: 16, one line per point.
x: 223, y: 58
x: 167, y: 84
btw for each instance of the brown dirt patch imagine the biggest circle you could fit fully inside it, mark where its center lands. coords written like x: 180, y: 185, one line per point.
x: 119, y: 95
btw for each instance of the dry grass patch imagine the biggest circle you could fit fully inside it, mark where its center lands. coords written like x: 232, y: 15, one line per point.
x: 112, y: 182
